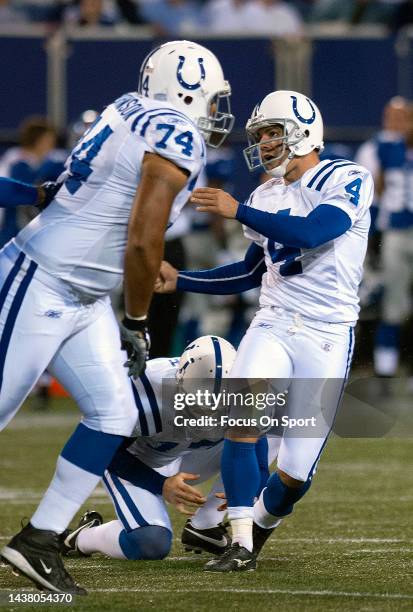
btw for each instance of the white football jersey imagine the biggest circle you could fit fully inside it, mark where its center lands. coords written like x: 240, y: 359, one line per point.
x: 81, y: 237
x: 159, y: 442
x: 320, y: 283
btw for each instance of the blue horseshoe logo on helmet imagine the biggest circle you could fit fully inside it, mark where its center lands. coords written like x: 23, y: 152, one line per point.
x: 181, y: 81
x: 297, y: 114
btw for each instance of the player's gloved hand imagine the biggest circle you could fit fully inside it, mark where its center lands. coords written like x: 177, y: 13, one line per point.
x: 136, y: 342
x: 47, y: 193
x: 186, y: 498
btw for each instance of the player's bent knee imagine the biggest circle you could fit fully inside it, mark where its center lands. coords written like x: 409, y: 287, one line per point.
x: 289, y: 481
x: 150, y: 543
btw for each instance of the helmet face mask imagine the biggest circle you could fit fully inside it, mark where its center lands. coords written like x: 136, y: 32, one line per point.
x: 219, y: 122
x: 190, y: 77
x: 256, y: 154
x: 301, y: 123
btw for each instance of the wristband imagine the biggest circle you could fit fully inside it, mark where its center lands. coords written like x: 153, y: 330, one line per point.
x: 134, y: 324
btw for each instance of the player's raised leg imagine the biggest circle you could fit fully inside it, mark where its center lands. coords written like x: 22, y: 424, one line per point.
x: 298, y: 456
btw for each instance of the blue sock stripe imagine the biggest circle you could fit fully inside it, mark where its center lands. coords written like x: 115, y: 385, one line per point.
x: 10, y: 278
x: 128, y: 501
x: 349, y: 357
x: 152, y: 402
x: 12, y: 316
x: 91, y: 450
x: 141, y: 412
x: 116, y: 504
x: 218, y: 364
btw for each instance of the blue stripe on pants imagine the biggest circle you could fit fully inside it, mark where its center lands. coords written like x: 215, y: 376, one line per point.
x: 10, y: 278
x: 12, y: 316
x: 349, y: 356
x: 116, y: 504
x: 128, y: 501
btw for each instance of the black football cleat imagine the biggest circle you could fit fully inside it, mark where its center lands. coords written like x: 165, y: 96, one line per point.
x: 35, y: 553
x: 68, y: 539
x: 259, y: 536
x: 235, y: 559
x: 214, y: 540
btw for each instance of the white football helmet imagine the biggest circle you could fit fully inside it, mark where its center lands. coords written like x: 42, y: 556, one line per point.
x: 302, y: 129
x: 206, y: 357
x: 190, y: 77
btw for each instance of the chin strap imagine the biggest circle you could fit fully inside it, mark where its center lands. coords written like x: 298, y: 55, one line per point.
x: 280, y: 170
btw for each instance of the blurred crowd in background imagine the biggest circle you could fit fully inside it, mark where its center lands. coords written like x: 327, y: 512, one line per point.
x: 176, y: 17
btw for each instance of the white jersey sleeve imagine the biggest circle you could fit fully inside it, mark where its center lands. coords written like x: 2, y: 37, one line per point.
x: 176, y: 139
x: 350, y: 188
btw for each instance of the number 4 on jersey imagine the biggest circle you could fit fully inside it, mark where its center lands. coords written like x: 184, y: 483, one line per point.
x: 82, y: 157
x: 353, y: 189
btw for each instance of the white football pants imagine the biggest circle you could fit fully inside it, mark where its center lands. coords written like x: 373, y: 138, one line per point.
x: 43, y: 325
x: 284, y: 345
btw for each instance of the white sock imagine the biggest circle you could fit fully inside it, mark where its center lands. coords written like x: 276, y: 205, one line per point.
x: 262, y: 517
x: 242, y: 532
x: 208, y: 515
x: 69, y: 489
x: 103, y: 539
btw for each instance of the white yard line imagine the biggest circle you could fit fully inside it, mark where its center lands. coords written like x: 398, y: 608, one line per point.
x: 199, y: 589
x: 325, y: 593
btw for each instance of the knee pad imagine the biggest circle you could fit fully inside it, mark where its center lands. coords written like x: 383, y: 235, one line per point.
x: 151, y: 543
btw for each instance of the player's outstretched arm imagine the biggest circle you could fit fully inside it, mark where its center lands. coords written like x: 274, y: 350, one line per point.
x: 15, y: 193
x: 323, y: 224
x: 229, y: 279
x: 160, y: 183
x: 211, y: 200
x: 224, y: 280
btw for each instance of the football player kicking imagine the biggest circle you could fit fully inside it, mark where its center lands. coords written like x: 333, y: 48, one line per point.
x: 309, y: 227
x: 156, y: 465
x: 127, y: 180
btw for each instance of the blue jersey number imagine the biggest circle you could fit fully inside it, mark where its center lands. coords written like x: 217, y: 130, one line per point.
x: 288, y: 255
x: 353, y: 189
x: 184, y: 140
x: 82, y: 157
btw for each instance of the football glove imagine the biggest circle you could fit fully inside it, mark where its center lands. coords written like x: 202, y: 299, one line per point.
x: 49, y: 191
x: 136, y: 342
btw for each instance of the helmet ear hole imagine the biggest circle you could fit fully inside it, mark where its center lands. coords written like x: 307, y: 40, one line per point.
x: 188, y: 99
x: 306, y: 133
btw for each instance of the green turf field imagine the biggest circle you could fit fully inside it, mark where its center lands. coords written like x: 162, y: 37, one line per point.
x: 347, y: 547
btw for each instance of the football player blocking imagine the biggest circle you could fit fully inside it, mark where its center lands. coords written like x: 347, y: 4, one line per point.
x: 153, y: 467
x: 126, y: 181
x: 308, y: 227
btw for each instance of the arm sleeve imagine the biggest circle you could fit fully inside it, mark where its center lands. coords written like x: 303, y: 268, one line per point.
x: 323, y: 224
x: 226, y: 280
x: 14, y: 193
